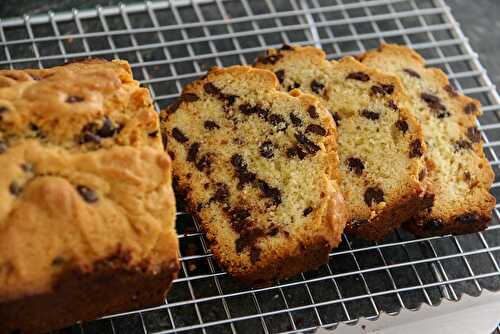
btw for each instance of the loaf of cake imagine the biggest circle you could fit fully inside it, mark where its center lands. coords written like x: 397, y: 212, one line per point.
x: 458, y: 171
x: 86, y: 205
x: 258, y: 168
x: 382, y: 170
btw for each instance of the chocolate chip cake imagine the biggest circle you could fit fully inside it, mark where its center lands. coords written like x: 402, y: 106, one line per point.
x: 382, y: 171
x: 86, y: 204
x: 460, y: 175
x: 258, y: 168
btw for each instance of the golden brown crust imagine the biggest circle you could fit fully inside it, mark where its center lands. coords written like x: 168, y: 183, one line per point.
x: 83, y: 174
x: 347, y: 88
x: 249, y: 201
x: 458, y: 170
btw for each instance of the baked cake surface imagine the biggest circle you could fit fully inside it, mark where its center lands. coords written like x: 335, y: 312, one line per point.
x: 259, y: 169
x: 382, y: 171
x: 460, y: 175
x: 86, y: 205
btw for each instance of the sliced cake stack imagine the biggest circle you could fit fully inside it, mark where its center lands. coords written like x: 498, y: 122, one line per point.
x: 381, y: 147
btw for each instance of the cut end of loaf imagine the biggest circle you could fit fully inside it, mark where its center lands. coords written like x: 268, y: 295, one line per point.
x: 380, y: 143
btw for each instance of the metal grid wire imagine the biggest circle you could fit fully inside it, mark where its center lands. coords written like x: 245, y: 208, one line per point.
x: 171, y: 43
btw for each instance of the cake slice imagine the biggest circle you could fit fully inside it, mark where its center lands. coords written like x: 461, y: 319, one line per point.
x: 87, y: 208
x: 460, y: 175
x: 259, y: 169
x: 382, y: 170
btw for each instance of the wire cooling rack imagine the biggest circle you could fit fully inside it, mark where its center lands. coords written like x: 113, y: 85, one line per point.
x: 172, y: 43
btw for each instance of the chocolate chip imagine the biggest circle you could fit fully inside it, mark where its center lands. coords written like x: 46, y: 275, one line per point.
x: 462, y: 144
x: 247, y: 238
x: 317, y: 87
x: 450, y: 90
x: 58, y: 261
x: 239, y: 219
x: 37, y: 131
x: 3, y: 147
x: 27, y: 167
x: 336, y: 118
x: 249, y: 110
x: 467, y: 219
x: 246, y: 109
x: 308, y: 145
x: 286, y: 47
x: 221, y: 193
x: 382, y: 89
x: 107, y: 129
x: 411, y: 73
x: 263, y: 113
x: 312, y: 112
x: 273, y: 230
x: 416, y: 149
x: 171, y: 154
x: 360, y: 76
x: 373, y: 195
x: 267, y: 149
x: 474, y: 134
x: 295, y: 85
x: 88, y: 137
x: 174, y: 106
x: 179, y: 136
x: 241, y: 168
x: 193, y: 152
x: 240, y: 245
x: 443, y: 114
x: 470, y: 108
x: 422, y: 174
x: 467, y: 176
x: 307, y: 211
x: 229, y: 99
x: 295, y: 120
x: 434, y: 103
x: 74, y: 99
x: 391, y: 104
x: 190, y: 97
x: 211, y: 89
x: 270, y: 192
x: 280, y: 74
x: 271, y: 59
x: 87, y: 194
x: 238, y: 162
x: 3, y: 109
x: 254, y: 255
x: 370, y: 114
x: 377, y: 90
x: 355, y: 165
x: 402, y: 125
x: 153, y: 134
x: 278, y: 121
x: 210, y: 125
x: 204, y: 163
x: 296, y: 151
x: 15, y: 189
x: 317, y: 129
x: 434, y: 224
